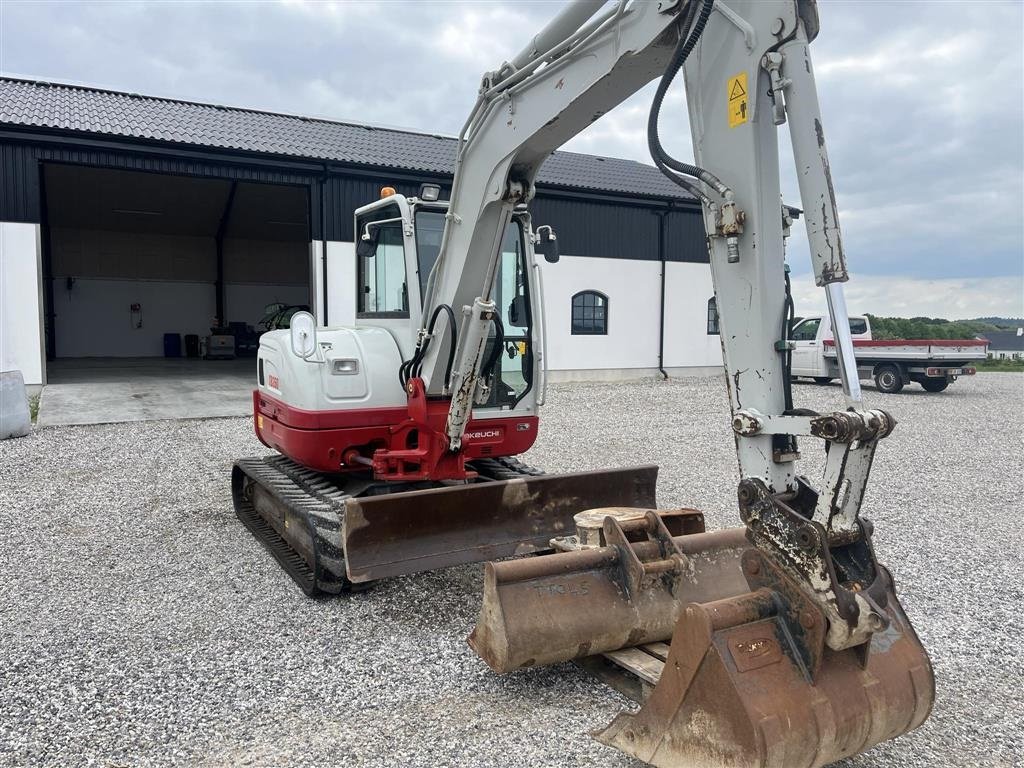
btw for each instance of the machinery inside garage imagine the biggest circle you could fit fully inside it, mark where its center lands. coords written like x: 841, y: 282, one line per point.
x: 149, y: 265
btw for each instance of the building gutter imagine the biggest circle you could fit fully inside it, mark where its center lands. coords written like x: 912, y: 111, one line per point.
x: 323, y: 236
x: 662, y: 224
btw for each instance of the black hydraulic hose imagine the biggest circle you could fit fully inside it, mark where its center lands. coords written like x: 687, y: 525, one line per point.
x: 412, y: 367
x: 686, y: 44
x: 788, y: 313
x: 499, y: 343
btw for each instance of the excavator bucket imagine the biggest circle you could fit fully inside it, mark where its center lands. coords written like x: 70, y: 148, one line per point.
x: 746, y: 677
x: 423, y: 530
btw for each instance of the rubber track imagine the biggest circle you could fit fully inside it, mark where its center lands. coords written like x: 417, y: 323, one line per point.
x: 317, y: 501
x: 321, y: 503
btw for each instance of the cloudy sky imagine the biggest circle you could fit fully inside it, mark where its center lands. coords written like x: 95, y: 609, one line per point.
x: 923, y: 105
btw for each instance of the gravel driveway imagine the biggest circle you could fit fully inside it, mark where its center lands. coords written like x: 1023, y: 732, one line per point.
x: 140, y: 624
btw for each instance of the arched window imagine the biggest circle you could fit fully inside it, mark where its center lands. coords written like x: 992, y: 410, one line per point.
x: 712, y: 317
x: 589, y: 314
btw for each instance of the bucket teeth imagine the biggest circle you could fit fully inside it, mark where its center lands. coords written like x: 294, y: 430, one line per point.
x: 737, y: 695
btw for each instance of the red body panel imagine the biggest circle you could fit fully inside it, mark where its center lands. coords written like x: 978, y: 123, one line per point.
x: 321, y: 440
x: 913, y: 342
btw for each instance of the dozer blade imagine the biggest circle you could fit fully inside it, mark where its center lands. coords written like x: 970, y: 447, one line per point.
x: 748, y: 679
x: 415, y: 531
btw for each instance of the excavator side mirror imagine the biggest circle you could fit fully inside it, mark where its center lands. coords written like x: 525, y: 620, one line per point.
x: 547, y: 244
x: 366, y: 247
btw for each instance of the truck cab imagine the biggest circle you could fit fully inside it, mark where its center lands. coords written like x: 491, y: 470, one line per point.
x: 809, y: 336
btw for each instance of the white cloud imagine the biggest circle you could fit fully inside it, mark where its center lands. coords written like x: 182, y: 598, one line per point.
x: 921, y: 101
x: 894, y: 296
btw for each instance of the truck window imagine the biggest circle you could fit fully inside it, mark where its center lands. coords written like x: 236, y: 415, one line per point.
x: 807, y: 330
x: 858, y: 325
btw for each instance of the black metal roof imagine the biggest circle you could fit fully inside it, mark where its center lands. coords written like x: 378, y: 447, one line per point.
x: 1006, y: 341
x: 78, y: 109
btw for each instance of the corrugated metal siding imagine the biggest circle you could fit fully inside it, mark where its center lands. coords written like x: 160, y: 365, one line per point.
x: 685, y: 239
x: 19, y: 184
x: 585, y: 227
x: 620, y: 231
x: 19, y: 171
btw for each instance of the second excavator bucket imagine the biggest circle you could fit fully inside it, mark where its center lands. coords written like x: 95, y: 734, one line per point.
x: 747, y: 678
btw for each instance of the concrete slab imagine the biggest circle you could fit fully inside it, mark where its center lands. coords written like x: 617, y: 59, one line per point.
x: 105, y: 390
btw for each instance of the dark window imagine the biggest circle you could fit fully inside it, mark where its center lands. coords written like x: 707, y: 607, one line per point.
x: 858, y: 325
x: 806, y: 331
x: 589, y: 314
x: 712, y: 317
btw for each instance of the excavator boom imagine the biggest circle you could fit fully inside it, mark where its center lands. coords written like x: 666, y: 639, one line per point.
x: 786, y: 643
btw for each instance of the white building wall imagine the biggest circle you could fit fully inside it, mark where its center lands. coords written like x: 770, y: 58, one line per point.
x: 21, y: 302
x: 633, y: 291
x: 633, y: 288
x: 630, y: 349
x: 687, y: 342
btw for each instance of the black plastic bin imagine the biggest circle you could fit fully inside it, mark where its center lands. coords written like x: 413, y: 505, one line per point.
x: 191, y: 345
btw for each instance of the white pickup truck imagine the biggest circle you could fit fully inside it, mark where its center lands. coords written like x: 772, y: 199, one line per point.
x: 932, y: 363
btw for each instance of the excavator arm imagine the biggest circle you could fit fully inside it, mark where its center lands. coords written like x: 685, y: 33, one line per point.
x: 747, y: 68
x: 791, y: 645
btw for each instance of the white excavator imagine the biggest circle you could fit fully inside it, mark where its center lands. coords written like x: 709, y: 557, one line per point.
x: 777, y: 643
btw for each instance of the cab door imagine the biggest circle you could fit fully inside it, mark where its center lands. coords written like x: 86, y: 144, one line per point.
x: 808, y: 359
x: 387, y: 293
x: 513, y: 353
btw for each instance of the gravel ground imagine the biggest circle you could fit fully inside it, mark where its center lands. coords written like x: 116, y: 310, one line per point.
x: 140, y: 624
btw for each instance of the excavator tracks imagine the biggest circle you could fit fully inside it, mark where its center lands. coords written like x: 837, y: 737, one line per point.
x: 298, y: 514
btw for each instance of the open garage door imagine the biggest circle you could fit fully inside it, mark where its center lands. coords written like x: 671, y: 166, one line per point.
x: 135, y: 256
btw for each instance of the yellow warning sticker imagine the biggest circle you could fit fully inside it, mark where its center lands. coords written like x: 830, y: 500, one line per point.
x: 739, y: 112
x: 259, y: 420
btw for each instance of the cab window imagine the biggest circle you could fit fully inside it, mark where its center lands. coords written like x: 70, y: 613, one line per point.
x: 806, y: 331
x: 381, y: 282
x: 429, y: 231
x: 858, y: 325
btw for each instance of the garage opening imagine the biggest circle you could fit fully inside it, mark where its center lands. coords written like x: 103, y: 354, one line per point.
x: 147, y: 265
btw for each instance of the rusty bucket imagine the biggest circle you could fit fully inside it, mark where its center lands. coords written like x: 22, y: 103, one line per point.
x: 747, y: 679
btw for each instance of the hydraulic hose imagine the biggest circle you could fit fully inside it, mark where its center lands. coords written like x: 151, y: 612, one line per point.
x: 661, y: 158
x: 412, y: 367
x: 499, y: 342
x: 788, y: 313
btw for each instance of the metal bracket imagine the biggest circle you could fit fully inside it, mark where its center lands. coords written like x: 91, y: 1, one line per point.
x: 637, y: 574
x: 749, y: 36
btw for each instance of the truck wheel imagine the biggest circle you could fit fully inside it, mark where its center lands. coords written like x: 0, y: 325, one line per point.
x: 934, y: 385
x: 823, y: 380
x: 888, y: 379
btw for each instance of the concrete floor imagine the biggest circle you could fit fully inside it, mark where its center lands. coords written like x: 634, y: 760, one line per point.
x: 104, y: 390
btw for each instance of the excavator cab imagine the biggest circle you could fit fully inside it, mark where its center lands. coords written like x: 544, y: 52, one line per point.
x: 398, y: 239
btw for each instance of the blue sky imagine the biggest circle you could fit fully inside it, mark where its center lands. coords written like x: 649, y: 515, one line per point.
x: 923, y: 105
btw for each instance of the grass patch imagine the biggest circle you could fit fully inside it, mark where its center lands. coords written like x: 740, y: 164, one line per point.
x: 1000, y: 365
x: 33, y: 407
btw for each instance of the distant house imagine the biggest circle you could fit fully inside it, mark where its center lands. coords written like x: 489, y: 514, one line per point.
x: 1005, y: 345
